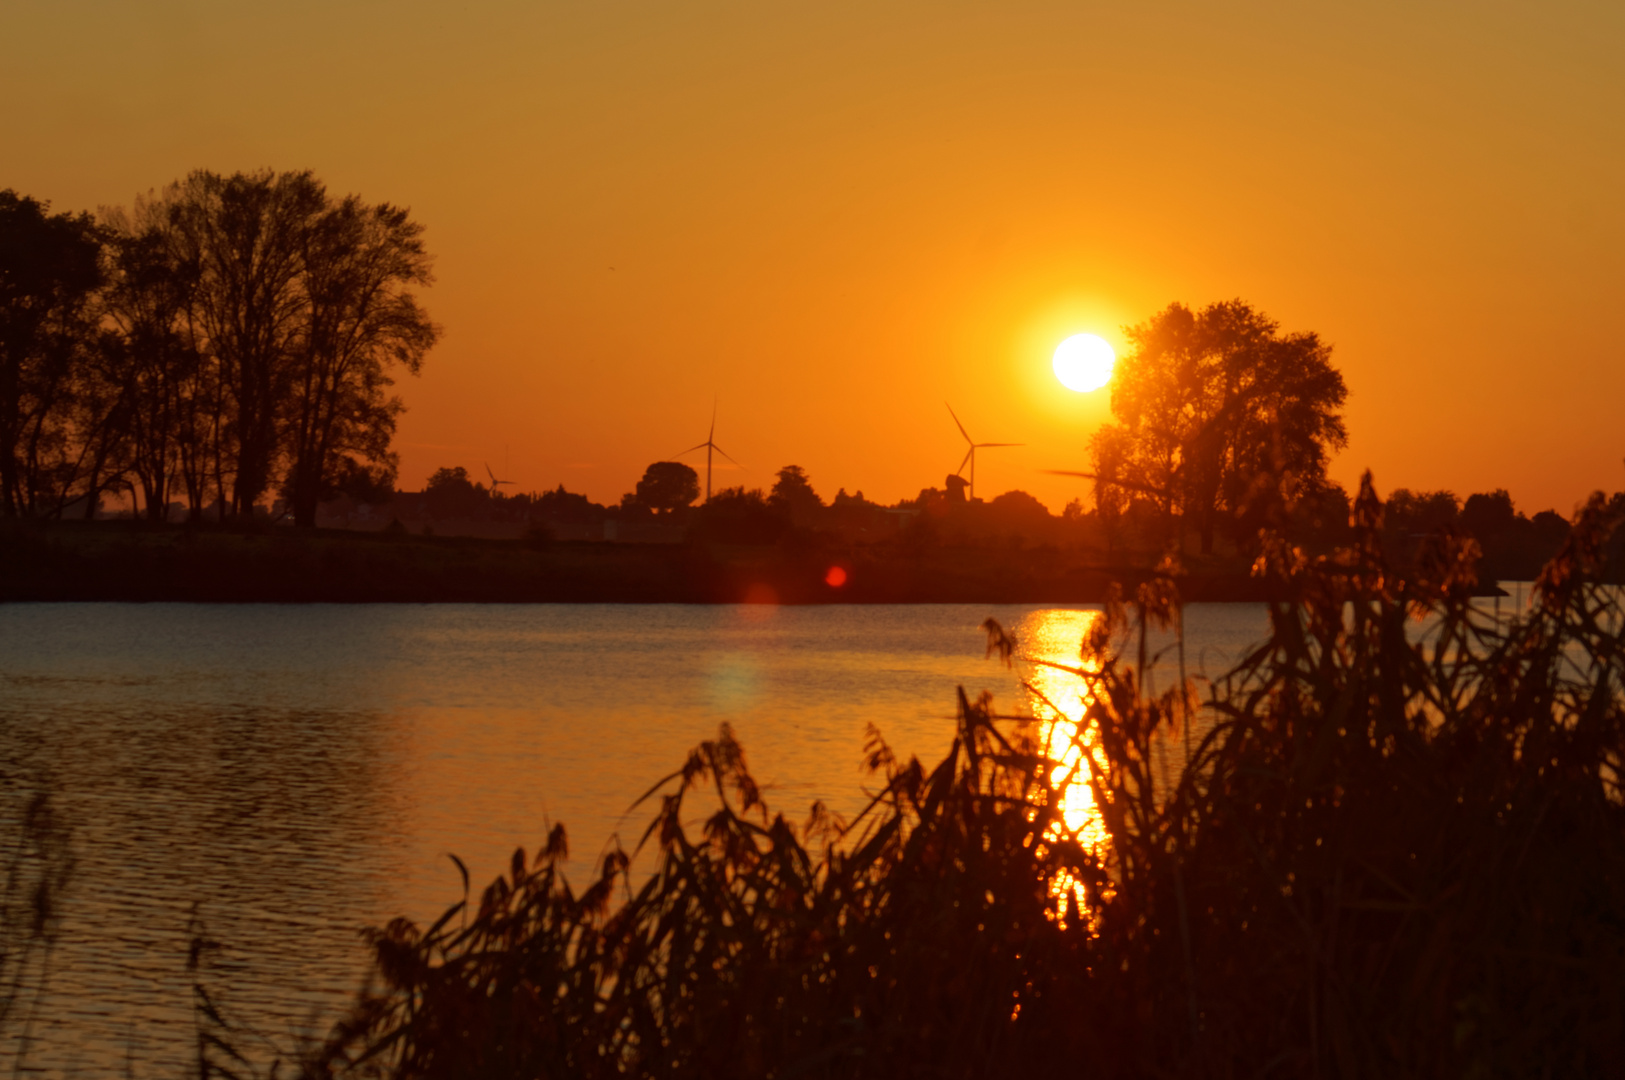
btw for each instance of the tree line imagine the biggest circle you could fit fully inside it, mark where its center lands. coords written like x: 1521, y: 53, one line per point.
x: 663, y: 498
x: 221, y: 340
x: 666, y: 494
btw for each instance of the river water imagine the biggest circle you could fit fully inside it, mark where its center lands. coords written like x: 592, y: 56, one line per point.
x: 290, y: 774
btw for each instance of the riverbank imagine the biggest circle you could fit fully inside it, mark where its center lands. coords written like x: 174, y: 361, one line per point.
x: 119, y: 561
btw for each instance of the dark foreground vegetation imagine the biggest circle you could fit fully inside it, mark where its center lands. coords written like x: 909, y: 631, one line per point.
x: 1386, y: 857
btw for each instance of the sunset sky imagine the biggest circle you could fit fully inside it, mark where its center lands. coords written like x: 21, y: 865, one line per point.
x: 832, y: 217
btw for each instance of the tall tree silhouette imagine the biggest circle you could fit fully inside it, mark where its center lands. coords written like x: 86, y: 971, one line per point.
x: 1217, y: 413
x: 148, y: 305
x: 247, y: 234
x: 360, y: 263
x: 49, y: 273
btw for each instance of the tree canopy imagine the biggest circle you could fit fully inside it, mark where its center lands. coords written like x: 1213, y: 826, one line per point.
x: 451, y: 493
x: 794, y: 495
x: 668, y: 485
x: 1219, y: 416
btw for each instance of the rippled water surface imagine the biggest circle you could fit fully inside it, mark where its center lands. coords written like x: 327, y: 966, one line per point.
x: 294, y: 773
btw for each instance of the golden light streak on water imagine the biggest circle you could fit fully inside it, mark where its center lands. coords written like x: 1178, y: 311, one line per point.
x: 1058, y: 699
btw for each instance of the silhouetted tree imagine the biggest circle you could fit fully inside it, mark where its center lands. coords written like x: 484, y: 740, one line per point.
x: 1321, y: 515
x: 1111, y: 447
x: 247, y: 233
x: 359, y: 264
x: 567, y: 506
x: 1420, y: 511
x: 1488, y: 513
x: 1514, y: 546
x: 1020, y: 514
x: 148, y: 305
x: 668, y: 485
x: 49, y: 273
x: 451, y: 494
x: 1216, y: 410
x: 361, y: 484
x: 98, y: 451
x: 794, y: 496
x: 267, y: 315
x: 1551, y: 528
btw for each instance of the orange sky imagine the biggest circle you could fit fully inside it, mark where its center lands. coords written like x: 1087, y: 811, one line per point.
x: 833, y: 216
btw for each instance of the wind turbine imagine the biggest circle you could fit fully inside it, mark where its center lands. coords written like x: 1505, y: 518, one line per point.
x: 970, y: 455
x: 710, y: 447
x: 494, y: 480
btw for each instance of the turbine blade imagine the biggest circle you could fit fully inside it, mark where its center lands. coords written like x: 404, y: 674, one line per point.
x: 691, y: 449
x: 981, y: 445
x: 957, y: 424
x: 969, y: 455
x: 724, y: 453
x: 713, y: 433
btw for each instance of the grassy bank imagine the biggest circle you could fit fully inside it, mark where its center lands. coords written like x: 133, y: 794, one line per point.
x: 53, y: 561
x: 1384, y: 859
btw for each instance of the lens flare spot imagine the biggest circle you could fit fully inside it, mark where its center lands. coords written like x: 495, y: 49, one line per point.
x: 759, y: 593
x: 835, y: 578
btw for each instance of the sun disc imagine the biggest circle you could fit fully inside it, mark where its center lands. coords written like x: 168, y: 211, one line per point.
x: 1083, y: 362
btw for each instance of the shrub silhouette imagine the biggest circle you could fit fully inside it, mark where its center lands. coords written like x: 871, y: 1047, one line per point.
x: 668, y: 485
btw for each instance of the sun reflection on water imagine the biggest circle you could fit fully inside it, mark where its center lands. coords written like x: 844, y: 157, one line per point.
x: 1058, y: 699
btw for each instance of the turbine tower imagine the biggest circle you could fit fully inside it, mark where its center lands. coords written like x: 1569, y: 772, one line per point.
x: 970, y: 455
x: 710, y: 447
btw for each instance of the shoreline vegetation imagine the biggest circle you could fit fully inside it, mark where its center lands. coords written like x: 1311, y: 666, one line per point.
x: 718, y: 553
x: 115, y: 561
x: 1385, y: 857
x: 70, y: 561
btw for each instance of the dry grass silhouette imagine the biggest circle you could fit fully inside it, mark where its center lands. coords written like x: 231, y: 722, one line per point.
x: 1393, y: 853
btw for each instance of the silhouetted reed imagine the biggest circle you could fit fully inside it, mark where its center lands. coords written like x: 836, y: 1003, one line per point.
x: 36, y: 862
x: 1397, y: 849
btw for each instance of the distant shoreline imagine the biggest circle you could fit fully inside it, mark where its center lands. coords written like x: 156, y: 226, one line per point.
x: 100, y: 561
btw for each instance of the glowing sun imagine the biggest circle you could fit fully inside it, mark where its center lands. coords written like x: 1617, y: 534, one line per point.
x: 1083, y: 362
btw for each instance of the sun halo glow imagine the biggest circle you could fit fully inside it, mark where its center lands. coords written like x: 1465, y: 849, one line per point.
x: 1083, y: 362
